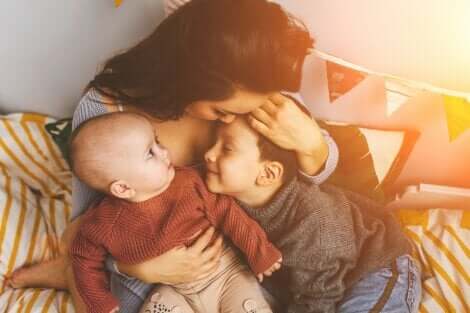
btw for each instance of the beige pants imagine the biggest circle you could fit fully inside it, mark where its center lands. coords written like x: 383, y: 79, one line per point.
x: 232, y: 288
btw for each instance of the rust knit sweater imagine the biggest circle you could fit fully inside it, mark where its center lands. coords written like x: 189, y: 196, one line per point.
x: 135, y: 232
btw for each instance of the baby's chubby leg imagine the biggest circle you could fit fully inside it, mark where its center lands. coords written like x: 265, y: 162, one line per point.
x: 165, y: 299
x: 234, y: 289
x: 243, y: 293
x: 48, y: 274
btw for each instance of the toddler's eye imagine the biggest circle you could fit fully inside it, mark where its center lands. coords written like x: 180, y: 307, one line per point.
x: 228, y: 148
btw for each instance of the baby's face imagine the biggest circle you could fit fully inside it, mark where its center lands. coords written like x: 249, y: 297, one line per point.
x: 147, y: 167
x: 233, y: 162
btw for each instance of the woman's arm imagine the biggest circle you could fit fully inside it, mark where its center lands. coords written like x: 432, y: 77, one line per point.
x: 283, y: 122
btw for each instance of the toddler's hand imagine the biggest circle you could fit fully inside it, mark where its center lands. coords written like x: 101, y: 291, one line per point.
x: 270, y: 271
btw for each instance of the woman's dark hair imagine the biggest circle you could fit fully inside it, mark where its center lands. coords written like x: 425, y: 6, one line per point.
x: 203, y: 51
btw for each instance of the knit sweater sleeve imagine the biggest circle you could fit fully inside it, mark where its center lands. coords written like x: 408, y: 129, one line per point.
x: 88, y: 254
x: 225, y: 214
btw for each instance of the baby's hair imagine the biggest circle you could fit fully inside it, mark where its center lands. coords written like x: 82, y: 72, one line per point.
x: 89, y: 172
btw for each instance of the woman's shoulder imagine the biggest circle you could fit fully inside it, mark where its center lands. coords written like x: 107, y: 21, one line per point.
x: 91, y: 104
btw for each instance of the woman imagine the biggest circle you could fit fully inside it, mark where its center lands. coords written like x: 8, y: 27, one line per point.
x: 208, y: 61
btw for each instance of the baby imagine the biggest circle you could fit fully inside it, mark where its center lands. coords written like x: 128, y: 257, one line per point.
x: 151, y: 207
x: 341, y: 251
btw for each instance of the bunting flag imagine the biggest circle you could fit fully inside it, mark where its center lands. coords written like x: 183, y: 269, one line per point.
x: 117, y: 3
x: 458, y: 115
x: 341, y: 79
x: 343, y: 76
x: 397, y: 94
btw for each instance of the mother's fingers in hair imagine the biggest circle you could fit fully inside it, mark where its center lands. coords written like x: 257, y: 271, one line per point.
x: 278, y: 99
x: 270, y: 107
x: 262, y: 116
x: 258, y: 126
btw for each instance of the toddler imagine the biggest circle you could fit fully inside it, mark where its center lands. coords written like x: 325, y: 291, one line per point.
x: 341, y: 252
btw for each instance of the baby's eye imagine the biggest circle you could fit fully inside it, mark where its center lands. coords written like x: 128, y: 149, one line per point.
x: 150, y: 153
x: 156, y: 140
x: 228, y: 148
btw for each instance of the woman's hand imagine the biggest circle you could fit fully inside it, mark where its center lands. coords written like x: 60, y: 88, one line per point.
x: 286, y: 125
x: 180, y: 264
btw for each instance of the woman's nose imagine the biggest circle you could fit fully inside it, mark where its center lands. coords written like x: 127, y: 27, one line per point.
x: 227, y: 118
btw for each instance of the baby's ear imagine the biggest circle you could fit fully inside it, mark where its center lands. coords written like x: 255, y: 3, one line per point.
x: 271, y: 172
x: 121, y: 189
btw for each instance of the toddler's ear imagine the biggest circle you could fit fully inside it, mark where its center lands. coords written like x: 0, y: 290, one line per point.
x: 121, y: 189
x: 271, y: 172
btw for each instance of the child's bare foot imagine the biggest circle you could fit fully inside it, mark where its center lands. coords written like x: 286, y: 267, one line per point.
x: 49, y: 274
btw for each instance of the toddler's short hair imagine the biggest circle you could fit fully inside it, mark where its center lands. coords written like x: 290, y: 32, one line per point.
x: 271, y: 152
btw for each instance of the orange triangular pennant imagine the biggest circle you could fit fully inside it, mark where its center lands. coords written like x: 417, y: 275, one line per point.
x: 341, y: 79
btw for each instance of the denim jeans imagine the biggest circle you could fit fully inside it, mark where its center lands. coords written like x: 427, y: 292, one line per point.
x: 393, y: 289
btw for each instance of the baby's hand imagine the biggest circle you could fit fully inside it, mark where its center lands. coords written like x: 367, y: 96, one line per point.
x: 270, y: 271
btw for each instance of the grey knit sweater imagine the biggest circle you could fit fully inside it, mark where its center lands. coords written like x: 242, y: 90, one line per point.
x: 329, y: 239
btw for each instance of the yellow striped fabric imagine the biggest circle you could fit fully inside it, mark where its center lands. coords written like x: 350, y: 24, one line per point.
x: 442, y: 240
x: 35, y: 199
